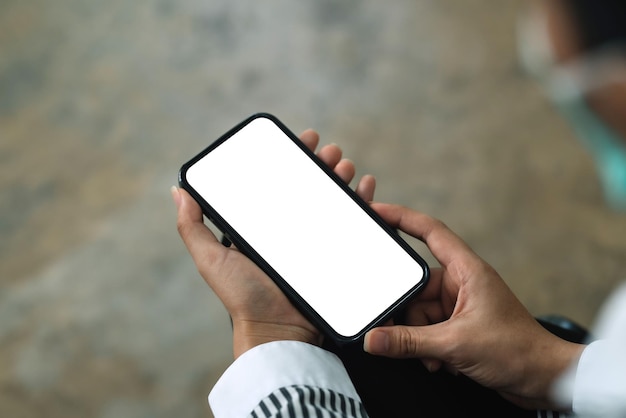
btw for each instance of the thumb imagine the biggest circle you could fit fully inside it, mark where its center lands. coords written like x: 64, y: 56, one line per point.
x: 405, y: 342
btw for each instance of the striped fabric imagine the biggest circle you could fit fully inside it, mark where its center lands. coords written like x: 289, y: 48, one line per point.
x: 307, y: 401
x: 302, y: 401
x: 552, y: 414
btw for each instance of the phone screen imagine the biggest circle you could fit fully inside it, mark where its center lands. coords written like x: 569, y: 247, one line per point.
x: 273, y: 198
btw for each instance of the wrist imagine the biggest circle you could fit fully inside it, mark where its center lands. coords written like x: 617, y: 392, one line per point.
x: 249, y: 334
x: 552, y: 358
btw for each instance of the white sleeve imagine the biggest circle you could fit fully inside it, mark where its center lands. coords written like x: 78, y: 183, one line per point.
x: 596, y: 385
x: 269, y: 367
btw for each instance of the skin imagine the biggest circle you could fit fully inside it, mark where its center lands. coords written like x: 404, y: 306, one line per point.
x: 466, y: 320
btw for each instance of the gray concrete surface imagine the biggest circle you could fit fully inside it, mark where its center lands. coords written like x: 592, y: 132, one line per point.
x: 102, y: 313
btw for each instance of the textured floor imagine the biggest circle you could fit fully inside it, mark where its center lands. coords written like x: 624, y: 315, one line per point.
x: 102, y: 313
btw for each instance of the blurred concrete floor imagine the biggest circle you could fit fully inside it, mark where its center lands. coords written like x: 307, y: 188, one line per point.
x: 102, y: 313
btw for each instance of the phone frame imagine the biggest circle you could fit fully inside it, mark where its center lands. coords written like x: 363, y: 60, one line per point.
x: 299, y: 302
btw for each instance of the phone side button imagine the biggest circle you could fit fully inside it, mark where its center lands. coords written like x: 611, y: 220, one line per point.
x: 225, y: 240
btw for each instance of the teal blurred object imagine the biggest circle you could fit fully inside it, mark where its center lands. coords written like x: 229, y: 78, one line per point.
x: 606, y: 146
x: 567, y: 86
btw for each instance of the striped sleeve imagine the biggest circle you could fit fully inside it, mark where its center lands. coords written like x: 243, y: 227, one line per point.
x: 308, y: 402
x: 285, y: 378
x: 552, y: 414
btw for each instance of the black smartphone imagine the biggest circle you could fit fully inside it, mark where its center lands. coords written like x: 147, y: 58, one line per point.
x: 338, y: 262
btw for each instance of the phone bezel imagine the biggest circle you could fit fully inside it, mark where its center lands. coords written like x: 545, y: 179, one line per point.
x: 246, y: 249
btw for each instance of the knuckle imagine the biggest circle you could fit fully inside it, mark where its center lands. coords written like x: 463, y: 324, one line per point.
x: 183, y: 228
x: 408, y: 343
x: 438, y: 224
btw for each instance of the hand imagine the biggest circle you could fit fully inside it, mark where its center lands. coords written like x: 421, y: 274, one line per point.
x: 259, y: 310
x: 469, y: 321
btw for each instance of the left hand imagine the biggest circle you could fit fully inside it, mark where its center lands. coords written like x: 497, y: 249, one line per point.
x: 259, y: 310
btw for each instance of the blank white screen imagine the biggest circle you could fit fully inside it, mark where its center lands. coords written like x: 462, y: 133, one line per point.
x: 305, y: 226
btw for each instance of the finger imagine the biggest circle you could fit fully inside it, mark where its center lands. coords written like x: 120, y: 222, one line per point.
x: 198, y: 239
x: 432, y: 292
x: 431, y: 364
x: 366, y: 187
x: 345, y: 170
x: 330, y: 155
x: 444, y: 244
x: 425, y: 313
x: 407, y: 342
x: 310, y: 138
x: 433, y: 304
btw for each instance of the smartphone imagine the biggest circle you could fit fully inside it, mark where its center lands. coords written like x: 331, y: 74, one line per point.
x: 337, y: 261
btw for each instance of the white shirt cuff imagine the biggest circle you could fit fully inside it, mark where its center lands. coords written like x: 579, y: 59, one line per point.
x: 598, y: 388
x: 596, y: 385
x: 267, y: 367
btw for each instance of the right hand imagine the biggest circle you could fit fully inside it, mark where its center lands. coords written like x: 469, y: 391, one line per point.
x: 469, y: 321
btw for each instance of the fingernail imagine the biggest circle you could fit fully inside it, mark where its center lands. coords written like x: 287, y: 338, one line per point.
x: 376, y: 342
x: 175, y: 195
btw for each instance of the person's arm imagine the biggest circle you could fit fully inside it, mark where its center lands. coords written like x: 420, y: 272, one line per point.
x: 469, y: 321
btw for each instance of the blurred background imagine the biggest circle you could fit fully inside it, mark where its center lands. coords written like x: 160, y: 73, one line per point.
x: 102, y: 313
